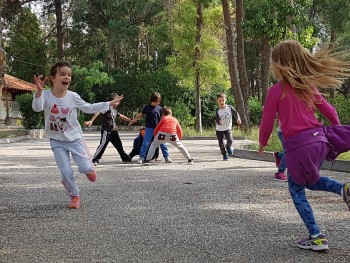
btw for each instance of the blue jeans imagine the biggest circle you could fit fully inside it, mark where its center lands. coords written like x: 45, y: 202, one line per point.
x: 146, y: 142
x: 282, y: 155
x: 301, y: 203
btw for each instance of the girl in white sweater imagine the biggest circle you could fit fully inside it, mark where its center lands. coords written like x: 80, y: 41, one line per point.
x: 62, y: 127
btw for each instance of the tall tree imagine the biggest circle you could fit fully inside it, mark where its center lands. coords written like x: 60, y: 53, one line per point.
x: 232, y: 67
x: 59, y: 28
x: 2, y: 52
x: 242, y: 68
x: 199, y: 61
x: 60, y: 10
x: 121, y: 28
x: 333, y: 14
x: 26, y: 49
x: 196, y: 65
x: 269, y: 22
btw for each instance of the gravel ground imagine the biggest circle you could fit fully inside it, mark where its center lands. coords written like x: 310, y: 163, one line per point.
x: 212, y: 211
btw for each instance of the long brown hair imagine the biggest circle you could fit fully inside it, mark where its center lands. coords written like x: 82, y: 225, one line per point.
x: 305, y: 71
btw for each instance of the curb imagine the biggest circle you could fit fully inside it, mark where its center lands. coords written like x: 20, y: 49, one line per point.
x: 15, y: 139
x: 209, y: 138
x: 337, y: 165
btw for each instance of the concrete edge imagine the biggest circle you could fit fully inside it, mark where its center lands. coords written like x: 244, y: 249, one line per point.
x: 15, y: 139
x: 337, y: 165
x: 209, y: 138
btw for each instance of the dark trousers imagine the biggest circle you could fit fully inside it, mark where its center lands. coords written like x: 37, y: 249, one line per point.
x: 113, y: 137
x: 136, y: 151
x: 229, y: 140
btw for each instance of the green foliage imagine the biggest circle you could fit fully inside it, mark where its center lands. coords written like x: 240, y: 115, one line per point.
x: 85, y: 78
x: 333, y: 13
x: 255, y: 110
x: 31, y: 119
x: 117, y: 31
x: 341, y: 104
x: 137, y: 89
x: 26, y: 47
x: 211, y: 62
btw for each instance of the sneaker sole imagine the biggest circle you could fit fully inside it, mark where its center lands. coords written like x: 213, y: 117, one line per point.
x: 275, y: 179
x: 346, y: 198
x: 314, y: 248
x: 74, y: 207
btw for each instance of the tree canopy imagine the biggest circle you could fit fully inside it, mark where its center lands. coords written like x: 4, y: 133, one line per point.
x: 176, y: 47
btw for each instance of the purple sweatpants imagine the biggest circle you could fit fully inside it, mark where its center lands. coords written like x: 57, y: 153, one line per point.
x: 308, y: 149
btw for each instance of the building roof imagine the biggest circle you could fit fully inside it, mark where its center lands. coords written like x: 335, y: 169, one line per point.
x: 18, y: 84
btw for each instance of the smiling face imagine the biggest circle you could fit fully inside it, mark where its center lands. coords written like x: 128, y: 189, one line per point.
x: 221, y: 101
x: 61, y: 79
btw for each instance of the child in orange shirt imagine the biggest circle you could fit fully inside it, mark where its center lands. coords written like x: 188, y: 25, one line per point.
x: 167, y: 130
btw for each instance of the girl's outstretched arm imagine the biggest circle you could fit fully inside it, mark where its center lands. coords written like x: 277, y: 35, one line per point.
x: 327, y: 110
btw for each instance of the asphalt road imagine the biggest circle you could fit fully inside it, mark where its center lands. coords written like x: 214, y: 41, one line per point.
x: 212, y: 211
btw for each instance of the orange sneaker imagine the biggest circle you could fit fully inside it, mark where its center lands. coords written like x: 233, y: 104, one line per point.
x: 92, y: 176
x: 74, y: 202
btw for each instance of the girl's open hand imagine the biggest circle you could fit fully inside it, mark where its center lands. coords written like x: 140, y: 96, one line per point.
x: 40, y: 82
x: 116, y: 101
x: 131, y: 122
x: 261, y: 149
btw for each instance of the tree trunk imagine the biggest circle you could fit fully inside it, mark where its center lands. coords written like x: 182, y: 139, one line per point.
x: 232, y: 64
x: 333, y: 41
x: 59, y: 29
x: 2, y: 52
x: 148, y: 48
x: 197, y: 56
x: 292, y: 27
x: 110, y: 56
x: 265, y: 68
x: 242, y: 68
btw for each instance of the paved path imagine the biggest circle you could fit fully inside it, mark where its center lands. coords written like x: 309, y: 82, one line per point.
x: 212, y: 211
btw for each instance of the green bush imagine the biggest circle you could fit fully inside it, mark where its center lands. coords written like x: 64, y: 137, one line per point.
x: 254, y: 107
x: 31, y: 119
x: 341, y: 104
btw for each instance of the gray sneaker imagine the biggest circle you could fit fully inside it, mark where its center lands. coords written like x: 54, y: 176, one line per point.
x: 168, y: 160
x: 346, y: 194
x: 317, y: 244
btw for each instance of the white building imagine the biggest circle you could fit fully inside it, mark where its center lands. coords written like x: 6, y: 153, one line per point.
x: 9, y: 112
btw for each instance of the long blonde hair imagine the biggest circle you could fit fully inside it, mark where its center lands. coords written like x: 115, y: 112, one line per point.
x: 305, y: 71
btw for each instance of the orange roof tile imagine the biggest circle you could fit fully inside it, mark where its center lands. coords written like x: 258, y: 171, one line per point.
x: 15, y: 83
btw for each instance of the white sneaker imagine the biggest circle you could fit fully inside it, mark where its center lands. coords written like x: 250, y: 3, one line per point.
x: 168, y: 160
x: 139, y: 161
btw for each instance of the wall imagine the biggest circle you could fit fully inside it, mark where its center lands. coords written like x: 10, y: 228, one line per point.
x: 14, y: 114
